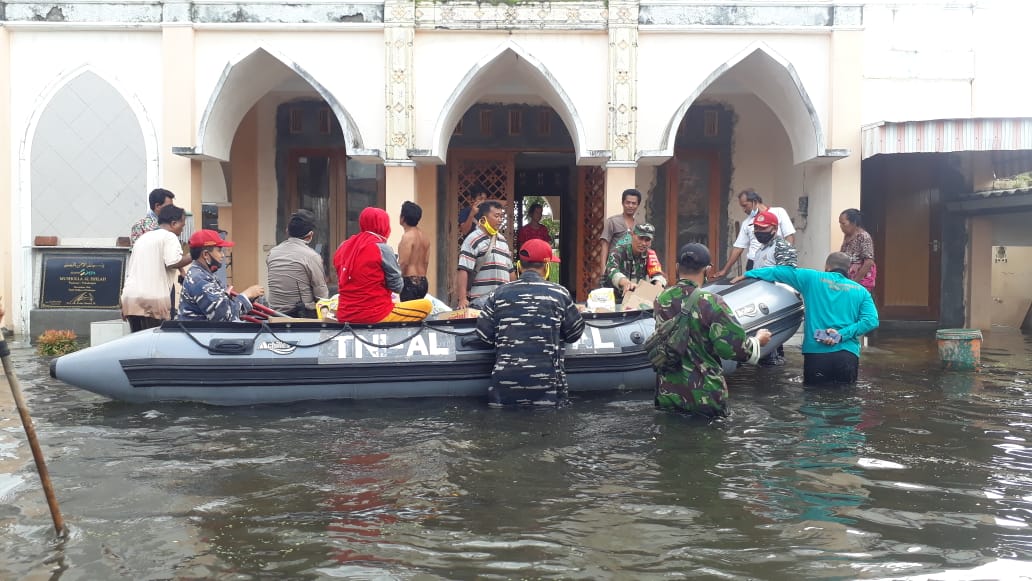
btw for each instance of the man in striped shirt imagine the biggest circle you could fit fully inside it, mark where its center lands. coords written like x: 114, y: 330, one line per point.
x: 485, y: 261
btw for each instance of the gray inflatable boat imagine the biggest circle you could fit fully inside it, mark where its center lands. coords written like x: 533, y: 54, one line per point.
x: 248, y: 363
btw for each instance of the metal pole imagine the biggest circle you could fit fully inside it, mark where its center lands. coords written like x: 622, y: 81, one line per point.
x: 30, y: 433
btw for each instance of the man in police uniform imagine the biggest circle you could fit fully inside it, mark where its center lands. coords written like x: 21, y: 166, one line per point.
x: 706, y: 335
x: 527, y: 321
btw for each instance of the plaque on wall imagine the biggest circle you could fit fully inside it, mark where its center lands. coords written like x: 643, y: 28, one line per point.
x: 82, y: 281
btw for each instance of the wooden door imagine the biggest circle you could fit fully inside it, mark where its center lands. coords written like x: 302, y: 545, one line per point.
x: 469, y: 172
x: 692, y: 206
x: 591, y: 202
x: 316, y: 180
x: 910, y: 253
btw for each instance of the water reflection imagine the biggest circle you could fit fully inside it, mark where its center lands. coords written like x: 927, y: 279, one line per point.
x: 913, y: 472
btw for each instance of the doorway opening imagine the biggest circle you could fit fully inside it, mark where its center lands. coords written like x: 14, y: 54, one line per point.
x: 315, y: 173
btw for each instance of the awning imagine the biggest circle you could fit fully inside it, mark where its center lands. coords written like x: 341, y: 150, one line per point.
x: 948, y: 135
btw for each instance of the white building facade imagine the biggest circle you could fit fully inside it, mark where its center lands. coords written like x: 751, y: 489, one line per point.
x: 250, y: 110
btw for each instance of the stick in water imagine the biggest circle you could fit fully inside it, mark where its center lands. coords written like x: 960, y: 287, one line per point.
x: 30, y: 433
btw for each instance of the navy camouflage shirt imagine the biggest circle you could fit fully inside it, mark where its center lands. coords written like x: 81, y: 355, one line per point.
x: 205, y: 299
x: 527, y: 320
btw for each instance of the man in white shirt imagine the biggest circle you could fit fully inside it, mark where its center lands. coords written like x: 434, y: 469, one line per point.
x: 156, y: 258
x: 752, y: 204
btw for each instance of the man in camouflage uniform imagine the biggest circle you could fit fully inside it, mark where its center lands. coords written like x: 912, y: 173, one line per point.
x: 630, y: 263
x: 705, y: 335
x: 527, y: 321
x: 204, y: 298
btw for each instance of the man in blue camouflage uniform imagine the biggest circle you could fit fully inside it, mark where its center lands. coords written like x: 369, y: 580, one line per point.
x: 204, y: 298
x: 707, y: 334
x: 633, y: 262
x: 527, y: 321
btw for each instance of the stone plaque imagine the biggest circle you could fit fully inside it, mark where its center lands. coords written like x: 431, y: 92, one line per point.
x: 82, y: 281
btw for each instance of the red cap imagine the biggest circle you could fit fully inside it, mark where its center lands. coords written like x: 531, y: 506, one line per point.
x: 207, y: 239
x: 765, y: 220
x: 536, y: 250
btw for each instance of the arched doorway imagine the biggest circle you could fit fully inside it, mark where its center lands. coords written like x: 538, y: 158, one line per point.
x: 750, y: 124
x: 512, y: 151
x: 284, y: 142
x: 510, y: 131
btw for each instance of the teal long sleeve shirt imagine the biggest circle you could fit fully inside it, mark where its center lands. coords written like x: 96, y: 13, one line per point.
x: 832, y: 302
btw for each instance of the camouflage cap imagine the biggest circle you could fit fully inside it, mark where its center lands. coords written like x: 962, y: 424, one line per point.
x: 645, y: 230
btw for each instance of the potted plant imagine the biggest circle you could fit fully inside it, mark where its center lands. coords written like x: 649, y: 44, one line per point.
x: 54, y: 343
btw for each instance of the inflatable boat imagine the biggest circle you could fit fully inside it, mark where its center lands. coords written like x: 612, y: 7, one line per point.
x: 262, y: 363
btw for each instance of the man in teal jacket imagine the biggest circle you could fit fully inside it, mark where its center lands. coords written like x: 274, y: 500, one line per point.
x: 838, y: 312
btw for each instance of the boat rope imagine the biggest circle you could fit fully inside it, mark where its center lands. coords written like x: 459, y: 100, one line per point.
x: 384, y: 346
x: 208, y: 347
x: 267, y: 329
x: 641, y: 315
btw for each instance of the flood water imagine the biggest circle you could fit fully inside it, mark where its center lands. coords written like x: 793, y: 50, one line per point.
x: 913, y: 473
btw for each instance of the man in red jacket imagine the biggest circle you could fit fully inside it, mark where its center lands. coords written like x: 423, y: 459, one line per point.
x: 367, y: 271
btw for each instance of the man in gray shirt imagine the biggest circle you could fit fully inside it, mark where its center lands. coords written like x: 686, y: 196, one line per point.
x: 297, y: 278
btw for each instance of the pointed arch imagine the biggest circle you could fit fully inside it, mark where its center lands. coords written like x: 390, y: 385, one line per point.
x: 150, y: 135
x: 244, y: 81
x: 532, y: 70
x: 775, y: 82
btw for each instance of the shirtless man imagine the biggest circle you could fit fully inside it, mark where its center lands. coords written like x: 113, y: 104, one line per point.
x: 413, y: 253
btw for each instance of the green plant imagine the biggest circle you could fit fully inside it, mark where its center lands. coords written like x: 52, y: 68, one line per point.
x: 53, y: 342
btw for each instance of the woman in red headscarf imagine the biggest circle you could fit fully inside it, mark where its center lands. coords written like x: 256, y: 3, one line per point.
x: 367, y: 271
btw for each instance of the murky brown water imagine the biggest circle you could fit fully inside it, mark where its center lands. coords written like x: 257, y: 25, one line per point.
x: 913, y: 473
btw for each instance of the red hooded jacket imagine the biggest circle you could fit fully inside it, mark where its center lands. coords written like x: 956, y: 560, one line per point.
x: 367, y: 271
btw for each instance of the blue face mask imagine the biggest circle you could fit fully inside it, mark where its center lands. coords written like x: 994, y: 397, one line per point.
x: 754, y: 212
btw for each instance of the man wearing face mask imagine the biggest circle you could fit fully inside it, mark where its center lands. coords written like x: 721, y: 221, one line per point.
x: 204, y: 298
x: 773, y: 251
x: 485, y: 261
x: 752, y: 204
x: 297, y: 278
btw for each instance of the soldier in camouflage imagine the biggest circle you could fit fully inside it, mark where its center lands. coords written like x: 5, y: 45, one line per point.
x: 636, y: 261
x: 527, y: 321
x: 709, y: 333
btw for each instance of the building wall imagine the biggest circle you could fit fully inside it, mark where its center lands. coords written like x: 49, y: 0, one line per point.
x: 939, y: 59
x: 1011, y: 281
x: 917, y: 60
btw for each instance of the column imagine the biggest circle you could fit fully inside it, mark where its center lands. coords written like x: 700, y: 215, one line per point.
x: 979, y: 275
x: 177, y: 112
x: 846, y: 82
x: 400, y: 188
x: 623, y: 102
x: 399, y: 34
x: 7, y: 222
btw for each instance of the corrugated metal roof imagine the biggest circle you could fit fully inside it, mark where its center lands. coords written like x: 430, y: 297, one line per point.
x: 948, y: 135
x: 996, y: 194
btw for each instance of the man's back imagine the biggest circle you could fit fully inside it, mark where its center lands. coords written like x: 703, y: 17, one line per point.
x: 295, y: 274
x: 528, y: 320
x: 150, y: 275
x: 414, y: 252
x: 832, y: 302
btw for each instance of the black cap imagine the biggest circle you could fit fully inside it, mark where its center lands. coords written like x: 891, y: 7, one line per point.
x: 693, y: 256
